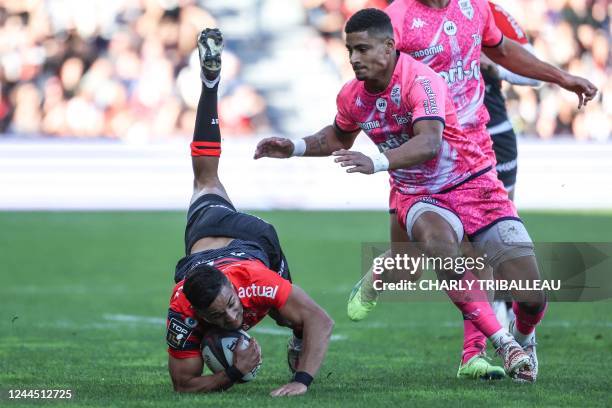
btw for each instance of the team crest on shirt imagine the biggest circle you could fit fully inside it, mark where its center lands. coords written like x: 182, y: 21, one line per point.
x: 381, y: 105
x: 396, y: 94
x: 466, y: 8
x: 450, y: 28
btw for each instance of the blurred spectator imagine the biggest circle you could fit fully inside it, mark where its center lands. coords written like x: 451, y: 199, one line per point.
x: 124, y: 69
x: 572, y: 34
x: 128, y: 68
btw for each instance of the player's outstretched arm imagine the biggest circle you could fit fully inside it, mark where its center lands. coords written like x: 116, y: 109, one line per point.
x: 512, y: 56
x: 186, y: 374
x: 423, y: 146
x: 301, y: 311
x: 323, y: 143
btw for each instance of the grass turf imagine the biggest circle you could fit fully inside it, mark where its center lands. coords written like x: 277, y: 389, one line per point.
x: 84, y: 296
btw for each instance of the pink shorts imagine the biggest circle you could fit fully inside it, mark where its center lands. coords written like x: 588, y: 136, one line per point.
x: 478, y: 203
x: 482, y: 138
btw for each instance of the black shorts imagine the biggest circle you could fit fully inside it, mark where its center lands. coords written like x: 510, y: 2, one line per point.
x: 213, y: 216
x: 504, y: 145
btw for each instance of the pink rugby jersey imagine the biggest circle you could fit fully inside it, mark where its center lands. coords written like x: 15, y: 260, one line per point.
x: 414, y: 93
x: 449, y: 40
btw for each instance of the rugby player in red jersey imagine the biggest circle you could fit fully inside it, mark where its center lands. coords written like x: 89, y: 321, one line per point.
x: 234, y: 272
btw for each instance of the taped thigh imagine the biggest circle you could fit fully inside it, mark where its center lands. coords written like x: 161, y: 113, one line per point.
x: 503, y: 241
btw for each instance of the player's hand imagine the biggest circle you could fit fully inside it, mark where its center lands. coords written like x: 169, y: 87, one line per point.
x: 360, y: 162
x: 249, y: 358
x: 275, y: 147
x: 288, y: 390
x: 581, y: 87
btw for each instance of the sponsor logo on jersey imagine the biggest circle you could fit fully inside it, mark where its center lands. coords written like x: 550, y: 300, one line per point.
x: 396, y: 94
x: 458, y: 73
x: 417, y: 23
x: 373, y: 124
x: 381, y: 105
x: 358, y: 102
x: 477, y: 39
x: 433, y: 50
x: 450, y: 28
x: 428, y: 199
x: 466, y: 8
x: 257, y: 291
x: 392, y: 142
x: 402, y: 119
x: 429, y: 105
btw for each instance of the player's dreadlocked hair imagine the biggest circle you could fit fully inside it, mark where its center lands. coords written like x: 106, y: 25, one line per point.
x: 202, y: 285
x: 374, y: 21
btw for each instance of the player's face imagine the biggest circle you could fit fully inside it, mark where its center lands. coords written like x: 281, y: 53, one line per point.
x: 369, y: 55
x: 226, y: 310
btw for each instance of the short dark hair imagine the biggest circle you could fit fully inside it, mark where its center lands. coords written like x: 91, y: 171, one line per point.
x: 202, y: 285
x: 372, y: 20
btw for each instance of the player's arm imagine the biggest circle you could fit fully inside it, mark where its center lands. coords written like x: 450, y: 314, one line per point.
x: 340, y: 135
x: 186, y: 373
x: 516, y: 79
x: 503, y: 74
x: 301, y: 311
x: 512, y: 56
x: 323, y: 143
x: 423, y: 146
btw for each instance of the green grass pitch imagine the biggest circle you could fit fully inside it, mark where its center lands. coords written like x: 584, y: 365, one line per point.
x: 83, y: 297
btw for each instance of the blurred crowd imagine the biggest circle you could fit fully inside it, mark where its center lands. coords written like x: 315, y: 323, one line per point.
x: 128, y: 68
x: 117, y: 68
x: 572, y: 34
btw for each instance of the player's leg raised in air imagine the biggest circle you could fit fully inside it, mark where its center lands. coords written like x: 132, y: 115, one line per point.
x: 231, y: 258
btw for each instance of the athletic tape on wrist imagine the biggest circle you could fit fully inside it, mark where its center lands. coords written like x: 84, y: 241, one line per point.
x: 233, y: 373
x: 303, y: 377
x: 299, y: 147
x: 381, y: 163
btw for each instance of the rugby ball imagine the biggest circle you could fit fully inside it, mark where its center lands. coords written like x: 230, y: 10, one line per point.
x: 218, y: 350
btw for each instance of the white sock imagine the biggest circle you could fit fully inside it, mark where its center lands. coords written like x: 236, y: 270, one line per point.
x: 500, y: 337
x: 521, y: 338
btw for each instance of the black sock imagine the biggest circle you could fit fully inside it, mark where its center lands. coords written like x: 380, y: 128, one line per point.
x: 206, y: 134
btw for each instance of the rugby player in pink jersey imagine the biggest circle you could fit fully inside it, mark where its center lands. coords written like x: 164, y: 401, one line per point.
x: 448, y: 36
x: 442, y: 186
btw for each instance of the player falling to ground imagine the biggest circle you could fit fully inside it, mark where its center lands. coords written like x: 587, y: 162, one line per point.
x: 448, y: 36
x: 234, y: 272
x: 442, y: 186
x: 499, y: 125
